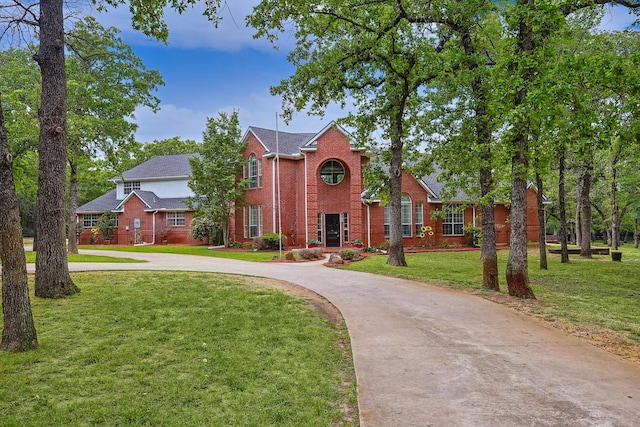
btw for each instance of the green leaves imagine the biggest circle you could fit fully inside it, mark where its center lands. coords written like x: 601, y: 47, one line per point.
x: 215, y: 173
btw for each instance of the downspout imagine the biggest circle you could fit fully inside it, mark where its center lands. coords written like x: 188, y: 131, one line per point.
x: 474, y: 215
x: 368, y: 222
x: 306, y: 201
x: 273, y: 194
x: 153, y: 240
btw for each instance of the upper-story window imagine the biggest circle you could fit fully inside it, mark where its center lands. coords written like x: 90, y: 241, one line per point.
x: 332, y: 172
x: 255, y: 172
x: 129, y: 186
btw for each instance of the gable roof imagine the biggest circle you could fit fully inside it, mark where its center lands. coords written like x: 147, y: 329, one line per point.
x: 108, y: 202
x: 285, y: 143
x: 171, y: 166
x: 434, y: 186
x: 104, y: 203
x: 152, y: 202
x: 291, y: 144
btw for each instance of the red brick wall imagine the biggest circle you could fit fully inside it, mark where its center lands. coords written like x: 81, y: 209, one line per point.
x: 344, y: 197
x: 126, y: 234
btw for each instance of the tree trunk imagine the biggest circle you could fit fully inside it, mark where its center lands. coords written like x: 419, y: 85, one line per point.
x: 396, y: 248
x: 578, y: 212
x: 489, y: 254
x: 585, y: 202
x: 564, y: 252
x: 636, y: 234
x: 517, y: 269
x: 615, y: 223
x: 72, y: 237
x: 52, y: 272
x: 541, y: 221
x: 19, y: 332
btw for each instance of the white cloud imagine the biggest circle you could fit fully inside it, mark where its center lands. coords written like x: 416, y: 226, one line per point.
x: 256, y: 109
x: 170, y: 121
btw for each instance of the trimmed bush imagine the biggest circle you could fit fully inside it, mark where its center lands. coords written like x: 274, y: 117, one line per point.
x: 349, y: 254
x: 272, y: 240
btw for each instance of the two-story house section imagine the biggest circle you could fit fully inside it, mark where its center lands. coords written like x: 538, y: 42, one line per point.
x: 311, y: 182
x: 149, y: 201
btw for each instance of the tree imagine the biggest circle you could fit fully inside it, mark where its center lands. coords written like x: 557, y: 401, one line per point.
x: 19, y: 332
x: 214, y: 174
x: 20, y: 89
x: 106, y: 83
x: 378, y: 55
x: 462, y: 106
x: 52, y: 272
x: 47, y: 19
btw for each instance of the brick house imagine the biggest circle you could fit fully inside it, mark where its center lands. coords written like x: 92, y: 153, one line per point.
x: 321, y: 197
x: 149, y: 201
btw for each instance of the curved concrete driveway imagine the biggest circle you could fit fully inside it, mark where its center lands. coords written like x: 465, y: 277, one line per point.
x: 426, y: 356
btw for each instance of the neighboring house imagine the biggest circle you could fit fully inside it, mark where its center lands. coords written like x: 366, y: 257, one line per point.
x: 149, y: 201
x: 321, y: 198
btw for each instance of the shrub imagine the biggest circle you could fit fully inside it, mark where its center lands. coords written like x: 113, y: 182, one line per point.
x: 107, y: 225
x: 349, y: 254
x: 443, y: 245
x: 384, y: 245
x: 201, y: 227
x: 314, y: 253
x: 273, y: 240
x: 259, y: 244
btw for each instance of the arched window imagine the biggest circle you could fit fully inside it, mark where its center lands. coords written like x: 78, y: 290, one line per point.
x: 255, y: 172
x: 332, y: 172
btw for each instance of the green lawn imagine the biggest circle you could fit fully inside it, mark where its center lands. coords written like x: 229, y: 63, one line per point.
x: 31, y: 258
x: 594, y: 291
x: 258, y: 256
x: 178, y: 349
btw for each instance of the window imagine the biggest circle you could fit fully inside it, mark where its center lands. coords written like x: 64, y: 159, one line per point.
x: 419, y: 218
x: 90, y: 220
x: 332, y: 172
x: 345, y: 217
x: 453, y: 221
x: 252, y: 221
x: 255, y: 221
x: 175, y: 218
x: 129, y: 186
x: 406, y: 217
x: 255, y: 172
x: 387, y: 220
x: 319, y: 227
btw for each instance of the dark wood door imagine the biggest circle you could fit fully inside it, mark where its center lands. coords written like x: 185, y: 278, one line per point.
x: 332, y: 230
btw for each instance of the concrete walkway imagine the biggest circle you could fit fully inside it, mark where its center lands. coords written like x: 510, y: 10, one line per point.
x: 426, y: 356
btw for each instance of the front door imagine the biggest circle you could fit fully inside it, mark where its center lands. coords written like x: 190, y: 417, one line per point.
x: 332, y: 233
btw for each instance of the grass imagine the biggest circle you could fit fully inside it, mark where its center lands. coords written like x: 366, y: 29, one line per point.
x: 31, y: 258
x: 586, y: 292
x: 174, y: 349
x: 259, y: 256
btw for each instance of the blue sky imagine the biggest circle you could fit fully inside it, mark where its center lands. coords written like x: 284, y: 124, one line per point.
x: 208, y: 69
